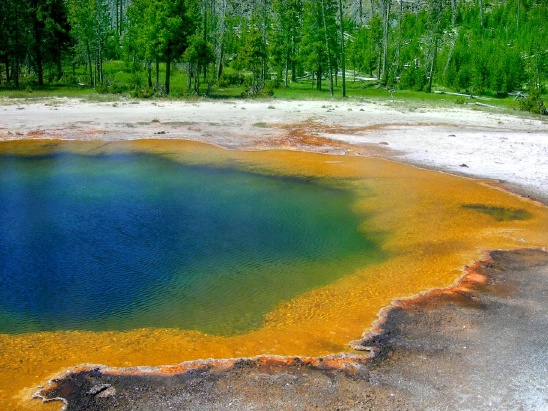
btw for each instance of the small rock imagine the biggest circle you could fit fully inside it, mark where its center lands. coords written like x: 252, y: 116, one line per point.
x: 463, y: 165
x: 109, y: 392
x: 452, y: 135
x: 96, y: 389
x: 160, y: 132
x: 384, y: 143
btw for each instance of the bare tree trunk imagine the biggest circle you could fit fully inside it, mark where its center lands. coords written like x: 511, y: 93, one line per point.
x: 121, y: 16
x: 400, y: 37
x: 450, y: 56
x: 221, y: 40
x: 15, y: 71
x: 90, y: 65
x: 168, y: 68
x: 38, y: 60
x: 454, y: 4
x: 286, y: 74
x: 372, y: 8
x: 386, y: 22
x: 7, y: 64
x: 197, y: 79
x: 343, y: 56
x: 329, y: 67
x: 433, y: 65
x: 319, y: 76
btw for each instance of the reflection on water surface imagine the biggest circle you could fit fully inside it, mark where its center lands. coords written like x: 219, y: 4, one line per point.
x: 423, y: 236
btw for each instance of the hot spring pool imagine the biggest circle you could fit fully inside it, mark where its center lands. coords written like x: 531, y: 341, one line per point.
x: 127, y: 241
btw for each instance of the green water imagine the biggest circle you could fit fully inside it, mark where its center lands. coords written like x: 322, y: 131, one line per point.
x: 118, y: 242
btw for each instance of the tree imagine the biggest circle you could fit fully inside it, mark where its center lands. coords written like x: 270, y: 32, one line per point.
x: 199, y: 54
x: 50, y: 37
x: 89, y: 20
x: 385, y: 7
x: 435, y: 24
x: 320, y: 39
x: 253, y: 55
x: 286, y: 36
x: 177, y: 22
x: 343, y: 56
x: 14, y: 37
x: 162, y: 29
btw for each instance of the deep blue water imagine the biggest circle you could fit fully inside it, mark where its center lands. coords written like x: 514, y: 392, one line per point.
x: 116, y: 242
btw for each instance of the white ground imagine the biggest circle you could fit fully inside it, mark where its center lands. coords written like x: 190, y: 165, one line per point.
x: 494, y: 145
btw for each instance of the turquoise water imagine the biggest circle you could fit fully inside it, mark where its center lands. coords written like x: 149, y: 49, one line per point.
x: 118, y: 242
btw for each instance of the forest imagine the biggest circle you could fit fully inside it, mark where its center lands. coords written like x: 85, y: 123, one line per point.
x: 163, y: 47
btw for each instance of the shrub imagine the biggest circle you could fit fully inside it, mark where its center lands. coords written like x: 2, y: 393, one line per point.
x: 233, y: 79
x: 533, y: 103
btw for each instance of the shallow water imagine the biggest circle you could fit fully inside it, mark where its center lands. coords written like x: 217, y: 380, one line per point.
x: 424, y: 227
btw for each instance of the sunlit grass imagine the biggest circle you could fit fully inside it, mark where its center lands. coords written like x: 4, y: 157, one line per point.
x: 123, y: 83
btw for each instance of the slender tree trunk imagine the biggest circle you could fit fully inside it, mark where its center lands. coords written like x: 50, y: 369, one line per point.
x: 519, y: 6
x: 379, y: 59
x: 121, y: 17
x: 433, y: 65
x: 372, y: 8
x: 38, y: 61
x: 220, y: 62
x: 221, y: 40
x: 59, y: 63
x: 157, y: 71
x: 149, y: 73
x: 329, y: 66
x: 319, y: 76
x: 90, y: 65
x: 481, y: 14
x: 100, y: 63
x: 449, y: 57
x: 454, y: 4
x: 117, y: 7
x: 168, y: 68
x: 400, y: 38
x: 343, y: 56
x: 386, y: 21
x: 197, y: 80
x: 286, y: 74
x: 16, y: 60
x: 7, y: 64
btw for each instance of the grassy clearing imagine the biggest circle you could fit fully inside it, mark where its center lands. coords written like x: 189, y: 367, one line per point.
x: 120, y: 79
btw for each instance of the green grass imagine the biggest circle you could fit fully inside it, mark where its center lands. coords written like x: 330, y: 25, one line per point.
x: 120, y: 78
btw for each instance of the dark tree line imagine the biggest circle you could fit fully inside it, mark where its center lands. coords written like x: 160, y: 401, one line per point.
x: 473, y: 46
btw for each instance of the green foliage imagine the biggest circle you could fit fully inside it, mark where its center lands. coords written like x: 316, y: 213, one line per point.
x: 417, y: 46
x: 231, y: 79
x: 533, y: 103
